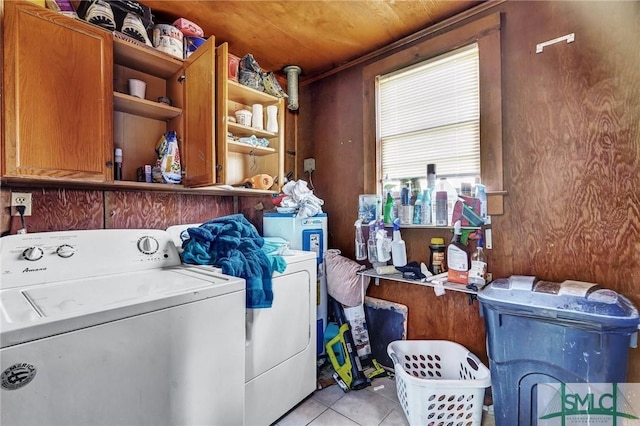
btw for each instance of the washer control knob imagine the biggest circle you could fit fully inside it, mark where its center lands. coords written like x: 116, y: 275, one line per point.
x: 33, y: 253
x: 65, y: 251
x: 148, y: 245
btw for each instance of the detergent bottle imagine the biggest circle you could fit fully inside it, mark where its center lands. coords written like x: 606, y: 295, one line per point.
x: 458, y: 258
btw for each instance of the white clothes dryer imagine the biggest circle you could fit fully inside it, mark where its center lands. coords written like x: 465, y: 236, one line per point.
x: 280, y: 346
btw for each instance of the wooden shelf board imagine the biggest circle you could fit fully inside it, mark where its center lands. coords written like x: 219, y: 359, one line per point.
x: 145, y: 59
x: 144, y: 107
x: 70, y: 183
x: 249, y: 96
x: 398, y: 277
x: 242, y: 130
x: 243, y: 148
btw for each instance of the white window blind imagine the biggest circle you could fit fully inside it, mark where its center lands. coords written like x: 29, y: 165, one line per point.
x: 430, y: 113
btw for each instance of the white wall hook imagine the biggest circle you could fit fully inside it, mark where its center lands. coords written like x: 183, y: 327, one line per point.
x: 570, y: 38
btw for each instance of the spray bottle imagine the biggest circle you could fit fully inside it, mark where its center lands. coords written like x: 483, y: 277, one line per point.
x: 361, y: 250
x: 398, y: 246
x: 458, y: 258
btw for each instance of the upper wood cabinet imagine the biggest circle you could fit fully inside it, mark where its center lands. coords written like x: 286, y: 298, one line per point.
x: 238, y: 161
x: 67, y: 107
x: 57, y: 96
x: 140, y: 123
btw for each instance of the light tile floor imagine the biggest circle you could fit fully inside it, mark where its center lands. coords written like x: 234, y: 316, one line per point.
x: 376, y: 405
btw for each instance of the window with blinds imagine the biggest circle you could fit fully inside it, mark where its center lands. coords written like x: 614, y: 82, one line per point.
x: 430, y: 113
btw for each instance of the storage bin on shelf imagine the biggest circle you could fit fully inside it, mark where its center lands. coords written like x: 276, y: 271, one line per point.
x: 439, y: 382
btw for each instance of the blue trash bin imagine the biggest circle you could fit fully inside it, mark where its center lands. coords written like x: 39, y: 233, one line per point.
x: 548, y: 332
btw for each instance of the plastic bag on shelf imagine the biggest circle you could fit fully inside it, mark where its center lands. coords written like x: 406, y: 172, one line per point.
x: 168, y: 159
x: 250, y: 73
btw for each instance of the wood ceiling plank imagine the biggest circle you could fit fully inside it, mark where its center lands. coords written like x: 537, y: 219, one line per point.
x: 316, y: 35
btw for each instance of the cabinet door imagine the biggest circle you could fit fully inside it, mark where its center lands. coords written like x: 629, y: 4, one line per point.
x: 58, y: 95
x: 238, y: 160
x: 199, y: 153
x: 222, y: 108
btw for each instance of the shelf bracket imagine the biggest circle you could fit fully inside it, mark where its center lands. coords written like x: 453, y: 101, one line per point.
x: 472, y: 296
x: 570, y: 38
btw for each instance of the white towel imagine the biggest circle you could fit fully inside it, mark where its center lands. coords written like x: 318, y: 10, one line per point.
x: 298, y: 194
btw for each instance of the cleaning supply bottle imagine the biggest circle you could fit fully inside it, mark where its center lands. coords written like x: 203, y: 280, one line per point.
x: 458, y: 258
x: 431, y: 186
x: 478, y: 272
x: 441, y: 206
x: 417, y: 210
x: 372, y: 250
x: 398, y: 246
x: 383, y: 243
x: 481, y: 195
x: 446, y: 197
x: 431, y: 176
x: 389, y: 205
x: 426, y: 208
x: 452, y: 198
x: 361, y: 250
x: 405, y: 210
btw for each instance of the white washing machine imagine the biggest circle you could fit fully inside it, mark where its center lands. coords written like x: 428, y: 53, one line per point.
x: 280, y: 346
x: 107, y: 327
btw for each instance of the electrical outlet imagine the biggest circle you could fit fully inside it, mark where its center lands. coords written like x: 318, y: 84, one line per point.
x: 21, y: 199
x: 309, y: 165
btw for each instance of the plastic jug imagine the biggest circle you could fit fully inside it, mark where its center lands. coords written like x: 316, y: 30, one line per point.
x: 398, y: 246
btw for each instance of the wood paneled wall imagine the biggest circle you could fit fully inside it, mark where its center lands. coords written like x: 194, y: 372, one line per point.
x: 571, y: 141
x: 76, y: 209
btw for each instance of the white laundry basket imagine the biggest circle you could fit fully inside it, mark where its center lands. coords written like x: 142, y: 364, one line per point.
x: 440, y: 383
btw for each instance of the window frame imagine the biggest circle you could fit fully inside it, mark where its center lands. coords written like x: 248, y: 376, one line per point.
x: 486, y: 32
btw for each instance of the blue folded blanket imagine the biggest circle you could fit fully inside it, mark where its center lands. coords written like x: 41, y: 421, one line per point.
x: 233, y: 244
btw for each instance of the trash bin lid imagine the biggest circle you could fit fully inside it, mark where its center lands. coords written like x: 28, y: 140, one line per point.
x: 570, y: 300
